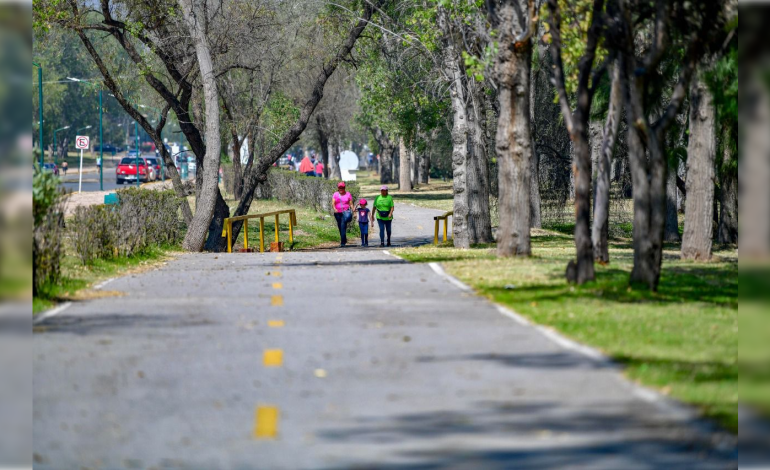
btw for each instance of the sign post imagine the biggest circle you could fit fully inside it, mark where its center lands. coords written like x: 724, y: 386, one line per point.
x: 81, y: 142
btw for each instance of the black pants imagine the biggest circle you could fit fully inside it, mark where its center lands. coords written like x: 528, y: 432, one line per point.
x: 385, y: 225
x: 342, y: 225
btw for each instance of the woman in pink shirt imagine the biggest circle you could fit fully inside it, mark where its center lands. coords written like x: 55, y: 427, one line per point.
x: 342, y: 201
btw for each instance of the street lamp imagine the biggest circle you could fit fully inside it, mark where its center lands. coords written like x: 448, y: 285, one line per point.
x: 55, y: 149
x: 40, y: 108
x: 82, y: 128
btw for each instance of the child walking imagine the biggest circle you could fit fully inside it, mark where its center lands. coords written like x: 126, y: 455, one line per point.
x: 363, y: 222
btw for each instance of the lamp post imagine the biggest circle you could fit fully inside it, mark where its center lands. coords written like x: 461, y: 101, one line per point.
x: 55, y: 150
x: 40, y: 109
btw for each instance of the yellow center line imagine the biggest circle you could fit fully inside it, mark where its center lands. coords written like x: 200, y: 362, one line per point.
x: 266, y: 422
x: 277, y: 285
x: 276, y: 273
x: 272, y: 357
x: 276, y: 301
x: 275, y: 323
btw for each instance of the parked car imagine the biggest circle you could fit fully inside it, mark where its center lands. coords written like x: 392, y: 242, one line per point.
x: 133, y: 153
x: 108, y: 148
x: 155, y: 165
x: 51, y: 167
x: 126, y: 172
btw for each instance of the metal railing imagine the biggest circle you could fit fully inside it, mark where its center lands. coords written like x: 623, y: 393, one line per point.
x: 227, y: 230
x: 438, y: 218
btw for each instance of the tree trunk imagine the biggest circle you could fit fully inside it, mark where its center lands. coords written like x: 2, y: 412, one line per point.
x: 600, y: 229
x: 209, y: 194
x: 237, y: 173
x: 336, y: 172
x: 513, y: 140
x: 404, y: 167
x: 701, y: 154
x: 323, y: 142
x: 477, y: 179
x: 460, y: 232
x: 671, y: 231
x: 728, y: 201
x: 582, y: 172
x: 424, y: 167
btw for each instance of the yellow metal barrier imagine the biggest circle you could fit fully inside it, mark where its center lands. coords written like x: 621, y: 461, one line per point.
x: 445, y: 218
x: 227, y: 230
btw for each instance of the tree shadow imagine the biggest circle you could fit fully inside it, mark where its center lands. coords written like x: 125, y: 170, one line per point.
x: 94, y: 324
x: 530, y: 435
x: 714, y: 284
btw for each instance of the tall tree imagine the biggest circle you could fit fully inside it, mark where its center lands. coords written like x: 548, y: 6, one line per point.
x: 516, y: 21
x: 701, y: 159
x: 681, y: 27
x: 195, y: 17
x: 471, y: 221
x: 600, y: 228
x: 577, y: 124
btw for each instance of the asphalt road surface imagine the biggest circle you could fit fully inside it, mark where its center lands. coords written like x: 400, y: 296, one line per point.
x: 345, y: 358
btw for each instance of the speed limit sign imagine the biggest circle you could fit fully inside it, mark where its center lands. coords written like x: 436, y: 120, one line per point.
x: 82, y: 142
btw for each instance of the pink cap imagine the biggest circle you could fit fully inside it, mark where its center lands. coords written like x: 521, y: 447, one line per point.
x: 384, y: 188
x: 341, y: 184
x: 362, y: 202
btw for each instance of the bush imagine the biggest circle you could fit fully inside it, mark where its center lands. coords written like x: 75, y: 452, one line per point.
x: 47, y: 210
x: 141, y: 219
x: 94, y: 232
x: 308, y: 191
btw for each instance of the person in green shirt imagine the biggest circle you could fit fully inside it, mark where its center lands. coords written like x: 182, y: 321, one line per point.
x: 383, y: 212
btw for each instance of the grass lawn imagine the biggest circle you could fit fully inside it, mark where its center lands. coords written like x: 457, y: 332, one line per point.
x: 77, y: 279
x: 314, y: 229
x: 682, y: 340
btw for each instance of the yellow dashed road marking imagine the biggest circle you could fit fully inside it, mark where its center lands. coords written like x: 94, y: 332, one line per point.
x: 275, y: 323
x: 272, y: 358
x: 266, y: 422
x: 419, y: 227
x: 276, y: 273
x: 276, y: 301
x: 277, y: 285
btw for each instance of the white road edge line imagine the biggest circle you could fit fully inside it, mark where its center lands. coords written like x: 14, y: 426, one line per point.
x: 104, y: 283
x: 436, y: 267
x: 49, y: 313
x: 391, y: 254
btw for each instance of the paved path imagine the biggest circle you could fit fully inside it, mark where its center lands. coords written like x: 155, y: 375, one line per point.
x: 383, y: 364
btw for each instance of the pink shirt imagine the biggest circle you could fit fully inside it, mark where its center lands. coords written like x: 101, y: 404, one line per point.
x: 342, y: 203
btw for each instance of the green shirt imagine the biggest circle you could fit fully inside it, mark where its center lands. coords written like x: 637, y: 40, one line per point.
x: 383, y: 203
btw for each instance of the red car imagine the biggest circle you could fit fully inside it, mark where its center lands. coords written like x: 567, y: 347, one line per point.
x: 126, y: 170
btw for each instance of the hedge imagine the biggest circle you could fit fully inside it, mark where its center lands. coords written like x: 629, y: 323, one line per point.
x: 48, y: 223
x: 294, y: 188
x: 141, y: 219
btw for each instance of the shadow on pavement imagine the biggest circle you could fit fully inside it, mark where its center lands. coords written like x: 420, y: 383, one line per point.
x: 94, y: 324
x: 595, y: 439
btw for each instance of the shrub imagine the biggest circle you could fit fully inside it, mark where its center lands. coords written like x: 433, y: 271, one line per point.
x: 94, y: 232
x: 147, y: 218
x: 47, y: 210
x: 141, y: 219
x: 308, y: 191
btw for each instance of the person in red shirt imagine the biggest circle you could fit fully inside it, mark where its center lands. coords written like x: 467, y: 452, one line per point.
x: 306, y: 167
